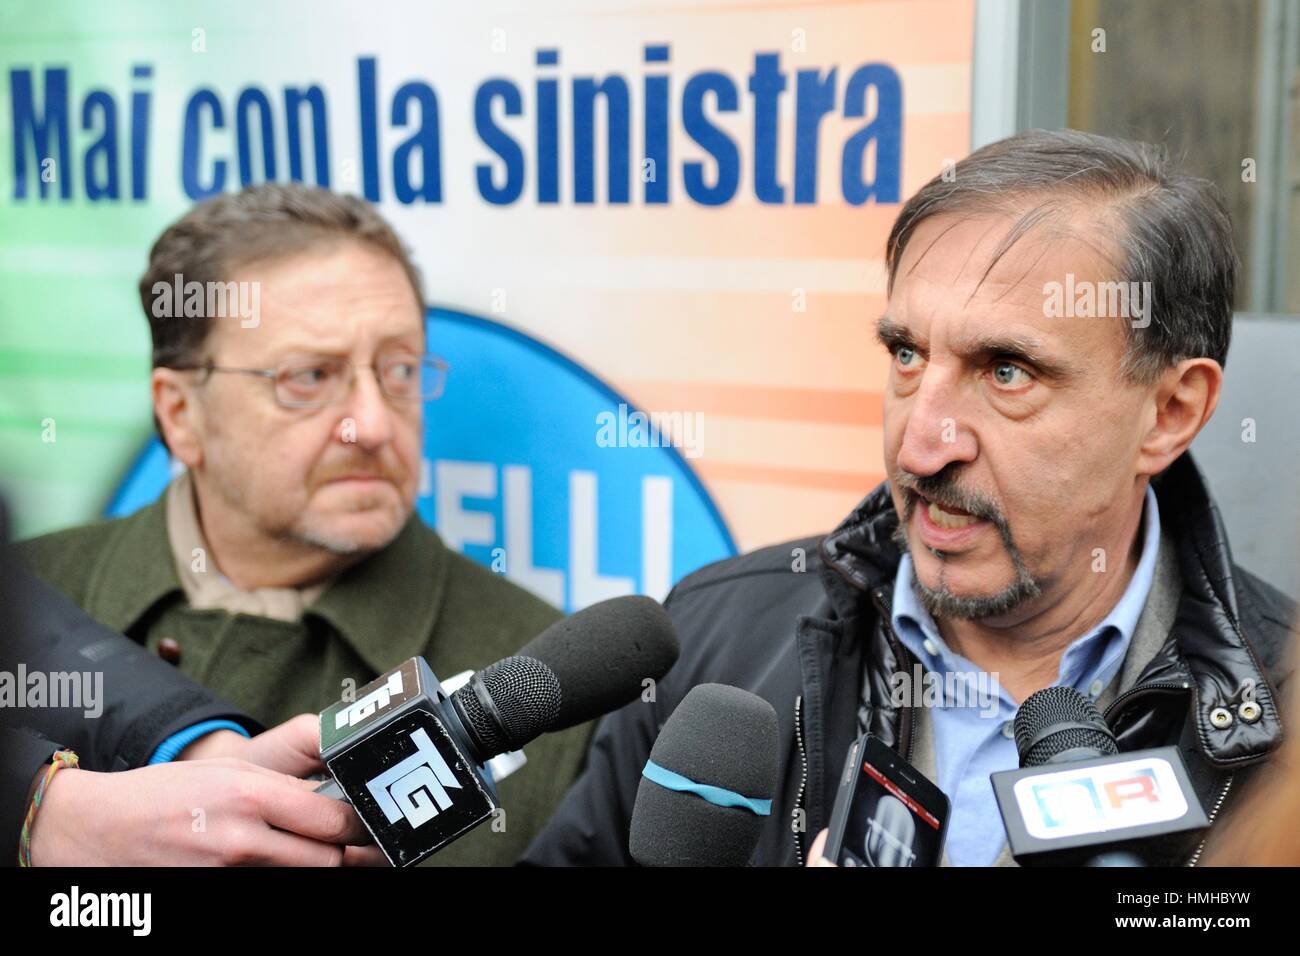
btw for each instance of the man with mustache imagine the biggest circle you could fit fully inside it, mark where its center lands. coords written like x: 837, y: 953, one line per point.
x: 1043, y: 522
x: 285, y: 566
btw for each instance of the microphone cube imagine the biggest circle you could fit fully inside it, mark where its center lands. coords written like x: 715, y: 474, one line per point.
x: 1062, y: 814
x: 400, y: 754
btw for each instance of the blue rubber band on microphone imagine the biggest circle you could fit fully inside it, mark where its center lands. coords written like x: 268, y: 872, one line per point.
x: 715, y: 795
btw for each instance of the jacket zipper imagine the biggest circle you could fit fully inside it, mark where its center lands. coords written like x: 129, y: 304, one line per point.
x: 803, y: 776
x: 1223, y: 794
x: 1227, y: 784
x: 1142, y: 689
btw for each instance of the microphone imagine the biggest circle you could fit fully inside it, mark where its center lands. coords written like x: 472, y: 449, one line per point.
x: 1076, y: 799
x: 1059, y: 724
x: 603, y: 655
x: 503, y: 704
x: 411, y: 758
x: 707, y: 789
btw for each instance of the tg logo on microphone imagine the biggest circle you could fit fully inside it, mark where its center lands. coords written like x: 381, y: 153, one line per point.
x: 415, y: 788
x: 400, y: 755
x: 372, y: 703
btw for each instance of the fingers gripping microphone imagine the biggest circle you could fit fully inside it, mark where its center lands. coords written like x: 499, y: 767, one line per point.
x: 410, y: 757
x: 1076, y: 799
x: 707, y: 790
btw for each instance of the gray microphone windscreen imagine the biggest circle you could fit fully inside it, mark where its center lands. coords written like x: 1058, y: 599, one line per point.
x: 707, y: 790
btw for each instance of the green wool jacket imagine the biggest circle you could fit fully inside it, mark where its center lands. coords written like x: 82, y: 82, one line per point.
x: 416, y: 597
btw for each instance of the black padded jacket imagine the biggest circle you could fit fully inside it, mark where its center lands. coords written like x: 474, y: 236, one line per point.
x: 143, y: 699
x: 804, y: 624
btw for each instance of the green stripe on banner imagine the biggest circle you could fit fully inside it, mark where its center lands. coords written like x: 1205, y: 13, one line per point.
x: 82, y: 365
x: 62, y: 423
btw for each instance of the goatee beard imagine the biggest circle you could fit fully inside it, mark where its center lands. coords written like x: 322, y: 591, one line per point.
x: 941, y: 602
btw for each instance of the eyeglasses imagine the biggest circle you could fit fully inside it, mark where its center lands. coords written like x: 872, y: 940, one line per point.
x: 315, y: 383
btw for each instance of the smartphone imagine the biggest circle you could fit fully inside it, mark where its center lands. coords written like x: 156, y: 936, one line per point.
x: 886, y: 812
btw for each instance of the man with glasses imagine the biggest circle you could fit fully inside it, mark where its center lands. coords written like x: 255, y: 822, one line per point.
x: 285, y: 567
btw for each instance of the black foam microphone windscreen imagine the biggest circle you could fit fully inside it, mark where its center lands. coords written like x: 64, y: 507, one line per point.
x: 1059, y: 724
x: 603, y: 654
x: 706, y: 792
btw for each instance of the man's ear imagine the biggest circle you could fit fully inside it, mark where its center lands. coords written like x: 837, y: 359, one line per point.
x: 1185, y: 397
x: 178, y: 413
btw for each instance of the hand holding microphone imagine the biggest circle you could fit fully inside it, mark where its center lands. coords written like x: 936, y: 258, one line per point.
x: 211, y: 812
x: 292, y: 747
x: 227, y: 800
x: 411, y: 758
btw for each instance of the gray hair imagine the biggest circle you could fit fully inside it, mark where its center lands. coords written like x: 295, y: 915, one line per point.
x: 1171, y: 229
x: 258, y: 224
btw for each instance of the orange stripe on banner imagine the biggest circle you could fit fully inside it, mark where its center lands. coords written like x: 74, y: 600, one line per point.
x: 760, y: 401
x: 742, y: 229
x: 912, y: 31
x: 931, y: 139
x: 857, y: 482
x: 761, y: 6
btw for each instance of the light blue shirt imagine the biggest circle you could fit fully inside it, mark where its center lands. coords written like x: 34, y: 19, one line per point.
x: 970, y: 741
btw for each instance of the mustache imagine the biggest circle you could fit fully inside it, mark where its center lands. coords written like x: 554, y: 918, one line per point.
x: 942, y: 489
x: 362, y: 467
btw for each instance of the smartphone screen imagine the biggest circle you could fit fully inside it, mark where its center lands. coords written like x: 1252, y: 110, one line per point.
x: 893, y: 815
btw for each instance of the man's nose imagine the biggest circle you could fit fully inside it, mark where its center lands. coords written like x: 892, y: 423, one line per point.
x: 937, y: 432
x: 368, y: 419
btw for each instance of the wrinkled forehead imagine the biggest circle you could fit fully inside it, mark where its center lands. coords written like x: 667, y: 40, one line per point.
x: 338, y: 300
x: 994, y: 270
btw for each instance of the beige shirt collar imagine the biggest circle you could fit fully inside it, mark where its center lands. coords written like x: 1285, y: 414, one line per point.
x: 204, y: 585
